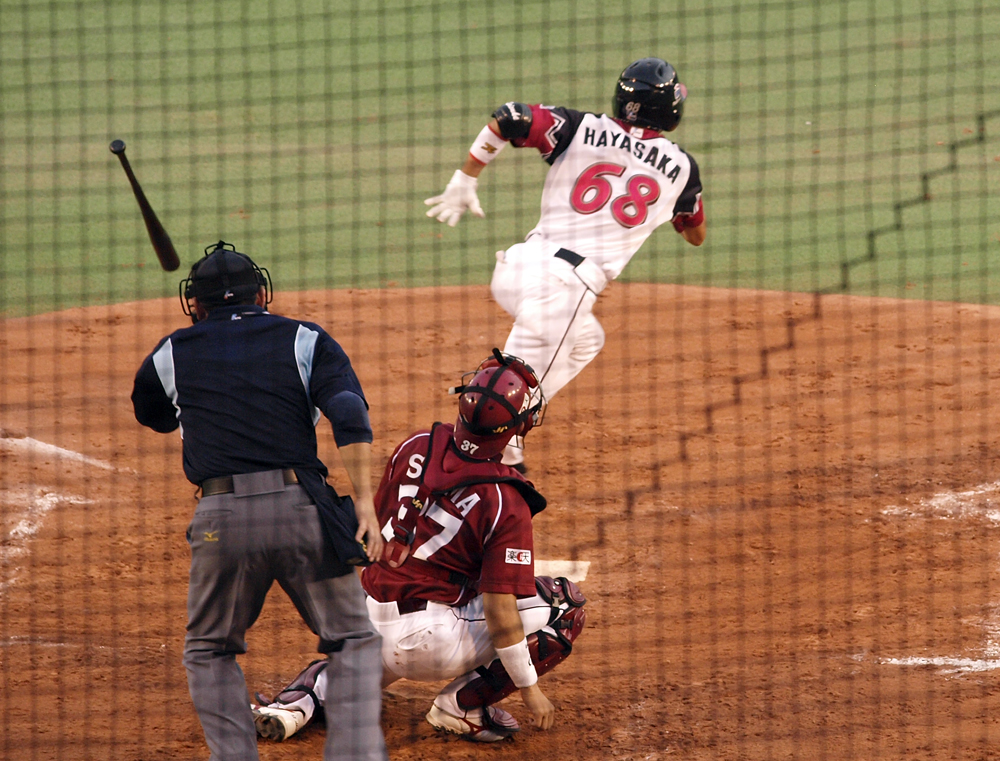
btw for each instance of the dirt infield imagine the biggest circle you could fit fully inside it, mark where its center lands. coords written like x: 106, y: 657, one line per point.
x: 791, y: 507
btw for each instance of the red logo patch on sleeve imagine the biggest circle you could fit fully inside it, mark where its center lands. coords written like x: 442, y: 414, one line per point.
x: 518, y: 557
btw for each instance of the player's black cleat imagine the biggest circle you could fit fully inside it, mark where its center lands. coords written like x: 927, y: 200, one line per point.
x: 521, y: 468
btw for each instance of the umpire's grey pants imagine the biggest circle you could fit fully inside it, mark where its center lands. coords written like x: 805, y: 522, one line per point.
x: 239, y: 547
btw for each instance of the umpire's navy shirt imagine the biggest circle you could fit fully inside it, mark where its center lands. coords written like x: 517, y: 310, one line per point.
x: 246, y: 389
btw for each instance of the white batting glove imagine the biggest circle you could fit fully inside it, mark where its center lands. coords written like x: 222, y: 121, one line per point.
x: 458, y: 197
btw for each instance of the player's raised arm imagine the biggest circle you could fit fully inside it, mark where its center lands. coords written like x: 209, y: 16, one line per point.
x: 507, y: 634
x: 460, y: 194
x: 510, y: 121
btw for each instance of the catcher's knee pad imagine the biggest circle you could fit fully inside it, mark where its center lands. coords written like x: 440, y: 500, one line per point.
x: 304, y: 684
x: 561, y: 593
x: 548, y: 648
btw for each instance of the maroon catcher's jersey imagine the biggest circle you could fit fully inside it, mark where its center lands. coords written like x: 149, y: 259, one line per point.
x: 479, y: 533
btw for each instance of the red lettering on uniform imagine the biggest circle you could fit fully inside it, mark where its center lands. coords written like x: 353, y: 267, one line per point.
x: 591, y: 192
x: 632, y: 209
x: 582, y: 199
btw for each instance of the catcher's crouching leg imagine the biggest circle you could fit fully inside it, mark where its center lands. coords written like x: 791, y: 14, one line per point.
x: 294, y: 706
x: 549, y: 646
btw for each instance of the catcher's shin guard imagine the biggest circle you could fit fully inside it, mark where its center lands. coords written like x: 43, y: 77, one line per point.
x: 548, y: 647
x: 304, y: 685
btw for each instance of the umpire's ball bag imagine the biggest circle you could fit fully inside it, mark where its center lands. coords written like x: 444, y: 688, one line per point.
x: 341, y: 524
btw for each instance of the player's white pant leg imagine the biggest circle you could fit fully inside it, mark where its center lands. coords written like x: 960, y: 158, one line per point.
x: 554, y: 329
x: 425, y: 646
x: 588, y: 340
x: 534, y: 612
x: 442, y: 642
x: 534, y: 615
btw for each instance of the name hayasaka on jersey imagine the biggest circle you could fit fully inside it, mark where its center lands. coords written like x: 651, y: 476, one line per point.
x: 649, y: 154
x: 553, y: 129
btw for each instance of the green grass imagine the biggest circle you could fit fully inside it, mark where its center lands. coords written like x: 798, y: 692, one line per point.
x: 309, y: 133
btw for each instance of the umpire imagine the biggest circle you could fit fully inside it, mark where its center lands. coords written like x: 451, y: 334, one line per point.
x: 246, y: 389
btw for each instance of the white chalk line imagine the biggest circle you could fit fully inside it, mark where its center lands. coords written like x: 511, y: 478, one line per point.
x: 35, y: 446
x: 979, y: 504
x: 948, y: 666
x: 34, y: 504
x: 27, y: 509
x: 20, y: 640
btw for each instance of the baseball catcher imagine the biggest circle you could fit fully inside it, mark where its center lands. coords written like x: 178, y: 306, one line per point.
x: 613, y: 180
x: 454, y: 595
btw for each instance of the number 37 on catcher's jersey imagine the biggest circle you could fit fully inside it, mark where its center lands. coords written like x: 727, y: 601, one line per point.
x: 449, y: 523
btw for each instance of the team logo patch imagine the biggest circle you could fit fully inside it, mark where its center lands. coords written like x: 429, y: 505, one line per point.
x: 680, y: 94
x: 519, y: 557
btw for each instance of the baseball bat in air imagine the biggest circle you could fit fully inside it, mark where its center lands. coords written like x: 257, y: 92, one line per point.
x: 162, y: 244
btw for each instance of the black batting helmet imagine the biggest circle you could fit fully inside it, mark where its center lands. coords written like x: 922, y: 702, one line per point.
x: 223, y: 276
x: 649, y: 94
x: 502, y: 400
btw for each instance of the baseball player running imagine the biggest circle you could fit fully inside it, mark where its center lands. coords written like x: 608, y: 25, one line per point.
x: 613, y: 180
x: 455, y: 593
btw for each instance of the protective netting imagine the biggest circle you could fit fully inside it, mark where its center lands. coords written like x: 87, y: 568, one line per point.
x: 777, y: 483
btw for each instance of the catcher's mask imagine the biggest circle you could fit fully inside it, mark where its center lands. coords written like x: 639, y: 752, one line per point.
x: 502, y: 400
x: 223, y: 277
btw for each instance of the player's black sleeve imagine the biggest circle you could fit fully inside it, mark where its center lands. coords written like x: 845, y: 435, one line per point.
x: 552, y: 130
x: 687, y: 202
x: 564, y: 133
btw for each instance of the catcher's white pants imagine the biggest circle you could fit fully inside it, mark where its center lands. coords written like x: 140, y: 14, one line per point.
x: 442, y: 642
x: 554, y: 328
x: 438, y: 643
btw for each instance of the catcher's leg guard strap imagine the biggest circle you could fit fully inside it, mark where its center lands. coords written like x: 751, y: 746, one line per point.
x: 304, y: 685
x: 547, y: 650
x: 561, y: 593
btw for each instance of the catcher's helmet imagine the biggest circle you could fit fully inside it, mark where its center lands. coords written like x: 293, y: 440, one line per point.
x: 649, y: 94
x: 502, y: 400
x: 223, y: 276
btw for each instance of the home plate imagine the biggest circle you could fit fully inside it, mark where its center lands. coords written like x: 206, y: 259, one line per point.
x: 574, y: 570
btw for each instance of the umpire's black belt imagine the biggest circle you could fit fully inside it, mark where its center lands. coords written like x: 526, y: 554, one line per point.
x: 570, y: 256
x: 224, y: 484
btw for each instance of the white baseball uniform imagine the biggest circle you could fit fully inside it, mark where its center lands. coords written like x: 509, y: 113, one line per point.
x: 611, y: 184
